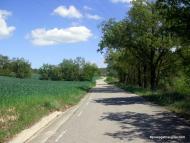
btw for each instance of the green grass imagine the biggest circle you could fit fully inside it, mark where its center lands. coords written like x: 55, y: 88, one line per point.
x: 24, y: 101
x: 111, y: 80
x: 178, y: 103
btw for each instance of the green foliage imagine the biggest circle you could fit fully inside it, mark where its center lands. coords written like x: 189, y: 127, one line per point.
x: 89, y: 71
x: 19, y: 68
x: 111, y: 80
x: 175, y: 101
x: 5, y: 68
x: 140, y: 50
x: 27, y: 100
x: 177, y: 14
x: 102, y: 71
x: 69, y: 70
x: 55, y: 105
x: 181, y: 84
x: 50, y: 72
x: 56, y: 73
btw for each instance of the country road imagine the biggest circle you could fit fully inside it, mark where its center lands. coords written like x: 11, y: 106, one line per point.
x: 110, y: 115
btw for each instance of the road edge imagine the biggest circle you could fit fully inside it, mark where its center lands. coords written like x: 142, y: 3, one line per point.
x: 46, y: 121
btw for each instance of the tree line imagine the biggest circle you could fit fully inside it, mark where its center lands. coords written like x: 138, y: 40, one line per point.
x: 149, y: 48
x: 17, y: 67
x: 69, y: 69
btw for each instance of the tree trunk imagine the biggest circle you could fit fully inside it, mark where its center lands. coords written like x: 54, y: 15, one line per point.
x: 153, y: 71
x: 126, y: 79
x: 145, y: 76
x: 139, y: 76
x: 153, y: 78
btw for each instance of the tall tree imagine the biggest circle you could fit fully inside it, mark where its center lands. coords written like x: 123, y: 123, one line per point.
x: 177, y: 14
x: 142, y: 36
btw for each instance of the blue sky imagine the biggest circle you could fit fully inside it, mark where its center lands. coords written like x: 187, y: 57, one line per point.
x: 46, y: 31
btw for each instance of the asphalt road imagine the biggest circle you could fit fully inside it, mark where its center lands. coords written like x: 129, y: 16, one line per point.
x: 110, y: 115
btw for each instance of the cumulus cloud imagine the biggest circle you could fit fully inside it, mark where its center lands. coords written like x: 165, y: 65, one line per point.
x: 94, y: 17
x: 121, y: 1
x: 70, y: 12
x: 73, y: 12
x: 5, y: 30
x: 43, y: 37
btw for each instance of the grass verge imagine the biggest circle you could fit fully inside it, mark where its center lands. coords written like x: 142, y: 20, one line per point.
x: 25, y: 101
x: 176, y: 102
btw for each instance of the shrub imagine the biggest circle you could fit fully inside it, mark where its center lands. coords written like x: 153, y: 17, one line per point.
x: 21, y: 68
x: 56, y: 74
x: 89, y: 71
x: 5, y: 67
x: 17, y: 67
x: 45, y: 71
x: 70, y: 70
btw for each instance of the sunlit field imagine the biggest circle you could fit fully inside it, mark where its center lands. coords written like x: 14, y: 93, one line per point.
x: 25, y: 101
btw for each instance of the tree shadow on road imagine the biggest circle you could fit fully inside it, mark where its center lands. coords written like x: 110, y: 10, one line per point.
x: 140, y: 125
x: 122, y: 100
x: 106, y: 89
x: 134, y: 125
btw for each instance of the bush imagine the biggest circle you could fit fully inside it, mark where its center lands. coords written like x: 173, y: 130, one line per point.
x: 56, y: 74
x: 70, y: 70
x: 89, y: 71
x: 5, y: 67
x: 21, y: 68
x: 45, y: 71
x: 17, y: 67
x: 111, y: 80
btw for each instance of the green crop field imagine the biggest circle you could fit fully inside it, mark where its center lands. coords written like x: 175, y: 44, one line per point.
x: 24, y: 101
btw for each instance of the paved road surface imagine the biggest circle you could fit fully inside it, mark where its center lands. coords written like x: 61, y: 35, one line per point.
x: 110, y: 115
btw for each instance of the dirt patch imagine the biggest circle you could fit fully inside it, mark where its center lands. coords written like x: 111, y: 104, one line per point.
x: 9, y: 115
x: 8, y: 118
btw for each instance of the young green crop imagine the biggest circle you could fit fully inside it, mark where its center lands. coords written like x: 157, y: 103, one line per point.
x: 25, y: 101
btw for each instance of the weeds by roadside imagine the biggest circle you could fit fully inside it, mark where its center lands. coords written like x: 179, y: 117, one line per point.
x: 176, y: 102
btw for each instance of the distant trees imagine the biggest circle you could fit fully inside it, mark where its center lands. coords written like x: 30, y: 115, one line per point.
x: 19, y: 67
x: 140, y: 48
x: 70, y: 70
x: 5, y: 67
x: 89, y: 71
x: 45, y: 71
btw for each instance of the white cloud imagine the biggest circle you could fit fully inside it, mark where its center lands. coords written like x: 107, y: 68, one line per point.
x: 70, y: 12
x: 87, y: 8
x: 43, y: 37
x: 73, y: 12
x: 5, y: 30
x: 121, y: 1
x: 94, y: 17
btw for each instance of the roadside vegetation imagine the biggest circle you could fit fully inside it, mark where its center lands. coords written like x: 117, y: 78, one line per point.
x: 177, y: 102
x: 70, y: 70
x: 148, y: 52
x: 24, y: 101
x: 16, y: 67
x: 26, y: 94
